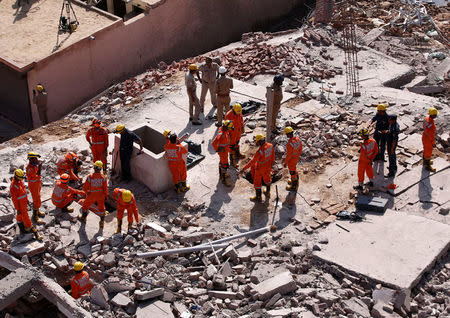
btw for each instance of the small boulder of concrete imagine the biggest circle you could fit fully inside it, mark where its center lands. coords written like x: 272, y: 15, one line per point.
x: 210, y: 271
x: 355, y: 306
x: 109, y: 259
x: 282, y: 283
x: 121, y: 300
x: 29, y: 248
x: 99, y: 296
x: 148, y: 294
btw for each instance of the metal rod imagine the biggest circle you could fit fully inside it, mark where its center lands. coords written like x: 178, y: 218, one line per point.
x: 237, y: 236
x: 181, y: 250
x: 342, y: 227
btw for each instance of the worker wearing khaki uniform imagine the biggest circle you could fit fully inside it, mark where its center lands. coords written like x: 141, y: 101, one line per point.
x: 274, y: 97
x: 223, y: 86
x: 191, y: 87
x: 41, y: 103
x: 209, y: 76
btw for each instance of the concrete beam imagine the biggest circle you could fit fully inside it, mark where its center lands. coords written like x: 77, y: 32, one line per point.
x: 9, y: 262
x: 15, y: 285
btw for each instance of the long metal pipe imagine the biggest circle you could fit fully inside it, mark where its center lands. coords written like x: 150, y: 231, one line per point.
x: 235, y: 237
x: 182, y: 250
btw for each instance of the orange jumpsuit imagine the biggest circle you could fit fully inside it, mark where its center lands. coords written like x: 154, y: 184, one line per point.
x: 367, y: 153
x: 261, y: 165
x: 238, y: 123
x: 98, y: 138
x: 34, y: 184
x: 96, y: 190
x: 428, y: 137
x: 63, y: 195
x: 293, y: 151
x: 174, y: 153
x: 66, y: 165
x: 223, y: 140
x: 131, y: 207
x: 20, y: 200
x: 80, y: 285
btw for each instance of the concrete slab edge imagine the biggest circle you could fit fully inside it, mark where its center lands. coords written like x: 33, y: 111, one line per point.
x: 413, y: 184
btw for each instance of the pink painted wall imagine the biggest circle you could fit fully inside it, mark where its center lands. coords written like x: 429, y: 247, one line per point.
x: 173, y: 30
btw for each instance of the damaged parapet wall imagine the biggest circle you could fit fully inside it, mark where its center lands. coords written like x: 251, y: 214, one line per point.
x: 150, y: 167
x: 172, y: 30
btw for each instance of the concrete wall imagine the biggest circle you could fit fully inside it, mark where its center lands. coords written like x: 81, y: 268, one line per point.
x: 173, y: 30
x: 14, y: 101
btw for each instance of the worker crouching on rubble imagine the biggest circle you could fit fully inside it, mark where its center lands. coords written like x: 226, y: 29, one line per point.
x: 20, y: 201
x: 367, y: 153
x: 261, y: 167
x: 429, y: 138
x: 63, y: 195
x: 174, y: 152
x: 125, y: 201
x: 81, y: 283
x: 70, y: 164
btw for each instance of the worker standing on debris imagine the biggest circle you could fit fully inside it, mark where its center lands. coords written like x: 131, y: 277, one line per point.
x: 20, y: 201
x: 174, y: 154
x: 261, y: 167
x: 221, y: 143
x: 392, y: 141
x: 81, y: 283
x: 367, y: 153
x: 191, y: 87
x: 209, y: 72
x: 97, y: 137
x: 96, y: 189
x: 381, y: 119
x: 293, y: 151
x: 274, y: 96
x: 125, y: 201
x: 40, y: 99
x: 235, y: 116
x: 223, y: 87
x: 69, y: 164
x: 63, y: 195
x: 34, y: 168
x: 429, y: 138
x: 127, y: 138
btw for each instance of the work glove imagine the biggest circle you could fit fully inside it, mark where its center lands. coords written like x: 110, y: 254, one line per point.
x: 220, y: 149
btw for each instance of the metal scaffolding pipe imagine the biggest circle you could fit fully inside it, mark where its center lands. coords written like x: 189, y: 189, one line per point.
x: 235, y: 237
x: 182, y: 250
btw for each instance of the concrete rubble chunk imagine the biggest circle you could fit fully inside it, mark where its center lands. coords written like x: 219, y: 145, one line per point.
x: 99, y: 296
x: 355, y: 306
x: 115, y: 285
x: 196, y: 237
x: 15, y: 285
x: 109, y: 259
x: 221, y: 294
x: 327, y: 297
x: 148, y: 294
x: 121, y: 300
x: 154, y: 309
x: 282, y: 283
x: 194, y: 292
x: 29, y: 248
x: 60, y: 262
x: 156, y: 228
x: 210, y: 271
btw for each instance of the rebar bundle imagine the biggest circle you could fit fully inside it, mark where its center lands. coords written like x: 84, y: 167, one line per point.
x: 351, y: 54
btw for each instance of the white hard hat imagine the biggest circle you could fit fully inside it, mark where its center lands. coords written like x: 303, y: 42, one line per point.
x: 222, y: 70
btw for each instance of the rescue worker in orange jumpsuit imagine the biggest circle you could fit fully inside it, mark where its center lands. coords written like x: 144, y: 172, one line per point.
x: 221, y: 144
x: 35, y: 184
x: 96, y: 189
x: 69, y: 164
x: 174, y: 154
x: 125, y: 201
x: 261, y: 165
x: 97, y: 137
x: 429, y: 138
x: 20, y: 201
x: 81, y: 283
x: 235, y: 116
x: 63, y: 195
x: 293, y: 151
x: 367, y: 153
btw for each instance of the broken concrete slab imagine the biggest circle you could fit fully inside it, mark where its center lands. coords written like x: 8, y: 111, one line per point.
x: 6, y: 216
x: 121, y: 300
x: 99, y: 296
x: 356, y: 306
x: 148, y: 294
x: 385, y: 248
x: 154, y: 309
x: 282, y: 283
x: 28, y: 248
x: 222, y: 294
x: 15, y: 285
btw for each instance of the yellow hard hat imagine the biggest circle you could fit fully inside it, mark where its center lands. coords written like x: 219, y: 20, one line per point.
x: 19, y: 174
x: 33, y: 155
x: 166, y: 132
x: 39, y: 88
x: 228, y: 124
x: 126, y: 196
x: 381, y: 107
x: 78, y: 266
x: 288, y: 130
x: 119, y: 128
x: 64, y: 178
x: 193, y: 67
x: 432, y: 111
x: 237, y: 108
x: 259, y: 137
x: 364, y: 132
x: 98, y: 164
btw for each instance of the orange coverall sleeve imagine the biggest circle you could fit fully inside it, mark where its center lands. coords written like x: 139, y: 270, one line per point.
x: 252, y: 161
x: 88, y: 135
x: 73, y: 191
x: 74, y: 288
x: 216, y: 141
x: 86, y: 186
x: 14, y: 196
x: 272, y: 157
x: 106, y: 139
x: 105, y: 187
x: 183, y: 149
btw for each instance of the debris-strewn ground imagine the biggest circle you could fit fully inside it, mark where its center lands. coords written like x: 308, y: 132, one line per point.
x: 276, y: 273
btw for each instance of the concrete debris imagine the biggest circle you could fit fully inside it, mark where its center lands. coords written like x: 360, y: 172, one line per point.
x: 99, y: 296
x: 148, y: 294
x: 282, y: 283
x: 121, y: 300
